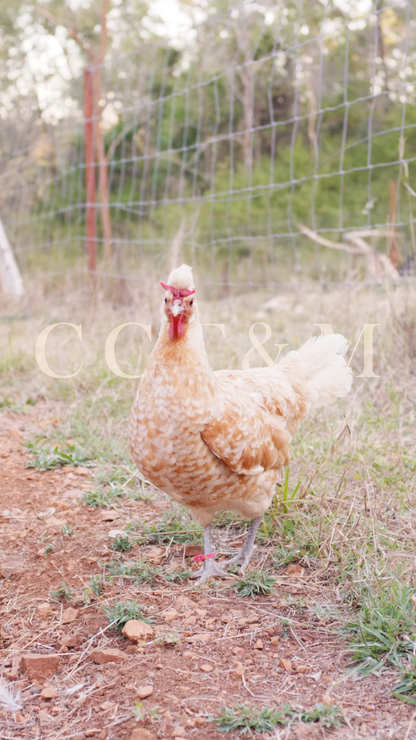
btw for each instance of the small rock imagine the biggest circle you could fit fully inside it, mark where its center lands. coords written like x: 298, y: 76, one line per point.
x: 182, y: 602
x: 49, y: 692
x: 275, y: 640
x: 239, y: 670
x: 258, y: 645
x: 170, y: 615
x: 207, y: 667
x: 44, y: 609
x: 70, y: 615
x: 12, y: 565
x: 144, y: 691
x: 72, y: 493
x: 225, y: 618
x: 72, y: 641
x: 298, y: 668
x: 109, y: 655
x: 54, y: 523
x: 40, y: 667
x: 303, y: 730
x: 155, y: 553
x: 110, y: 516
x: 107, y: 705
x: 142, y: 734
x: 238, y: 651
x: 201, y: 612
x: 294, y: 570
x: 71, y: 566
x: 136, y: 630
x: 191, y: 620
x: 285, y: 664
x: 20, y: 717
x: 178, y: 731
x: 92, y: 732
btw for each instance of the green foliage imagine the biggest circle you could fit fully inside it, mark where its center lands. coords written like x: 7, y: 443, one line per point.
x: 48, y: 458
x: 328, y: 717
x: 63, y: 593
x: 102, y: 498
x: 249, y: 720
x: 384, y: 629
x: 121, y: 612
x: 137, y: 570
x: 68, y: 530
x: 175, y: 526
x: 122, y: 544
x: 254, y: 583
x: 177, y: 576
x: 94, y: 588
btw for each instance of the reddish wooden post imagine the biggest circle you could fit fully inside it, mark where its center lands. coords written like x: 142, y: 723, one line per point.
x: 90, y: 210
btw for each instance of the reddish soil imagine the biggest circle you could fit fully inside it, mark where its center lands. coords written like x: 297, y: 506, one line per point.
x: 194, y: 661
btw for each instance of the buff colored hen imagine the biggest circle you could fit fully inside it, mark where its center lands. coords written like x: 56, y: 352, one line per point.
x: 215, y: 441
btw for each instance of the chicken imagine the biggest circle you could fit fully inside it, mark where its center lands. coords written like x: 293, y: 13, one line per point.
x: 215, y: 441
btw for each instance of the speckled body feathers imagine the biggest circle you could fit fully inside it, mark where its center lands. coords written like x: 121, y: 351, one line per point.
x: 215, y: 441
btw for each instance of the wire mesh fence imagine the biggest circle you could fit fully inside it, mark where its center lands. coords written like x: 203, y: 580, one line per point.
x: 271, y: 144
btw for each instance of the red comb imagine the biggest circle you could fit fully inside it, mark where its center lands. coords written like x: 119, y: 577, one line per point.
x: 183, y: 293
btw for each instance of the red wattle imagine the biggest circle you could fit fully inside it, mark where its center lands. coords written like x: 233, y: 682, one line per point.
x: 177, y: 326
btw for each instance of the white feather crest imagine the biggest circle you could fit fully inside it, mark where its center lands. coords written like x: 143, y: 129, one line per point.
x: 182, y: 278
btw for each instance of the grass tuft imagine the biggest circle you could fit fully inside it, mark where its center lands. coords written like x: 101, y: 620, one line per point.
x: 49, y: 458
x: 254, y: 583
x: 121, y: 612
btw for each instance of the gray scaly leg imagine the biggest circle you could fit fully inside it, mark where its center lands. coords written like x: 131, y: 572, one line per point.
x: 243, y: 557
x: 210, y: 567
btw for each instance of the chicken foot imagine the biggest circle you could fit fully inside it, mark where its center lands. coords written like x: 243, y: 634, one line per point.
x: 243, y: 557
x: 210, y: 567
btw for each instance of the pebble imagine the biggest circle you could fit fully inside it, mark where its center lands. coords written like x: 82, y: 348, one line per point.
x: 109, y: 655
x: 49, y: 692
x: 70, y: 615
x: 258, y: 645
x: 144, y: 691
x: 40, y: 667
x: 136, y: 629
x: 44, y: 609
x: 207, y: 667
x: 285, y: 664
x: 239, y: 670
x: 275, y: 640
x: 170, y: 615
x: 142, y: 734
x: 11, y: 565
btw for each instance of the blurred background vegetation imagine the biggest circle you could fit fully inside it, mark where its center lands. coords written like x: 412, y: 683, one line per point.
x: 219, y: 127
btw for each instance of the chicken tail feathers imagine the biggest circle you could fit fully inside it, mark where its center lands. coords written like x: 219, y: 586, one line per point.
x: 319, y: 366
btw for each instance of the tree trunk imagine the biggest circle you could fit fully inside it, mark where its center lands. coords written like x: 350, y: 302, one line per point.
x: 11, y: 279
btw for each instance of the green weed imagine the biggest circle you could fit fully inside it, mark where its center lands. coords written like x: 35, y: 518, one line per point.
x: 122, y: 544
x: 48, y: 458
x: 63, y: 593
x: 121, y: 612
x: 254, y: 583
x: 138, y: 570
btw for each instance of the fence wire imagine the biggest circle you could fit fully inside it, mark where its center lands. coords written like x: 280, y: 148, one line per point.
x: 270, y: 145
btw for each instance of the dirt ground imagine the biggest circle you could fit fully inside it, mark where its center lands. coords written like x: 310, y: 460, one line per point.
x: 210, y: 647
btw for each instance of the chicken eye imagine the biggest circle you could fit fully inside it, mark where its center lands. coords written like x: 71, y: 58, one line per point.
x: 166, y: 300
x: 191, y: 302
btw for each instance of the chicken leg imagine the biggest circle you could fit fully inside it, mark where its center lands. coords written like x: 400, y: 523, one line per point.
x: 210, y: 567
x: 243, y: 557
